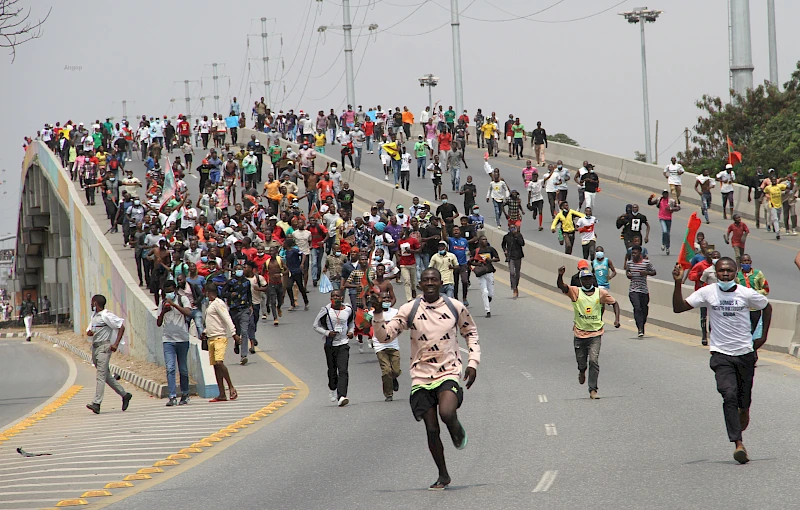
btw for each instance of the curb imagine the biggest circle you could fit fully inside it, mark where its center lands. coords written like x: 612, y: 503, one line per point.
x: 794, y: 350
x: 148, y: 386
x: 12, y: 335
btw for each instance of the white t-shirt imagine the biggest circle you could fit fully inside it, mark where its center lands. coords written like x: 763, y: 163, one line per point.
x: 394, y: 344
x: 729, y: 315
x: 673, y: 173
x: 535, y: 191
x: 205, y: 126
x: 550, y: 185
x: 727, y: 181
x: 703, y: 178
x: 587, y: 223
x: 581, y: 172
x: 403, y: 220
x: 405, y: 164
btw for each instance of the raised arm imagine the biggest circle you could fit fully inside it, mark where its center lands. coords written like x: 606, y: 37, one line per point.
x: 679, y: 305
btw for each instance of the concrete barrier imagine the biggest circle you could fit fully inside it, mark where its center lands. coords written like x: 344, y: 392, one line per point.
x: 96, y: 268
x: 541, y: 263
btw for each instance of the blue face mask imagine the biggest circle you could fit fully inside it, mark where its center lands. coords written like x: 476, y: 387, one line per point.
x: 746, y: 268
x: 204, y: 259
x: 727, y: 285
x: 170, y: 295
x: 600, y: 255
x: 444, y: 200
x: 442, y: 252
x: 589, y: 288
x: 386, y: 305
x: 239, y: 273
x: 476, y: 212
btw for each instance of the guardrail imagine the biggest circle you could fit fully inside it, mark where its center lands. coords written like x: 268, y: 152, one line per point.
x: 541, y: 263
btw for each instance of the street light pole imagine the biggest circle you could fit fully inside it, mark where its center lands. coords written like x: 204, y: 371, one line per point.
x: 429, y: 81
x: 773, y: 43
x: 641, y: 15
x: 456, y: 28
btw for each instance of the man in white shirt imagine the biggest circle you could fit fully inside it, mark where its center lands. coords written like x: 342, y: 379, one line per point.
x: 388, y: 353
x: 726, y: 179
x: 673, y: 173
x: 336, y: 323
x: 535, y: 198
x: 498, y: 191
x: 731, y: 342
x: 585, y: 227
x: 102, y: 326
x: 583, y: 170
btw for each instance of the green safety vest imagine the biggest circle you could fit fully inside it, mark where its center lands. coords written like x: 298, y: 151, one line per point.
x: 587, y: 311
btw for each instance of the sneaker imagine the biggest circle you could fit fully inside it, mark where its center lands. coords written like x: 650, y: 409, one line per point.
x: 263, y: 317
x: 314, y: 283
x: 172, y: 402
x: 95, y: 408
x: 581, y: 377
x: 280, y: 313
x: 704, y: 341
x: 184, y: 400
x: 396, y: 386
x: 388, y: 399
x: 663, y: 247
x: 385, y: 177
x: 275, y: 322
x: 488, y: 315
x: 778, y: 237
x: 740, y: 455
x: 236, y: 348
x: 361, y: 348
x: 252, y: 350
x: 343, y: 401
x: 333, y: 395
x: 126, y: 401
x: 243, y: 362
x: 466, y: 303
x: 593, y: 395
x: 667, y: 251
x: 640, y: 334
x: 28, y: 339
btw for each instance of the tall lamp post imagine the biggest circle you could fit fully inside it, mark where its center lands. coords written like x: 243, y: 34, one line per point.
x: 429, y: 81
x: 642, y: 15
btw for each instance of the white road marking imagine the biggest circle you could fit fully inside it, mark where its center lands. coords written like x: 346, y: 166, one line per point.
x: 550, y: 429
x: 547, y: 480
x: 543, y: 398
x: 527, y: 375
x: 463, y: 350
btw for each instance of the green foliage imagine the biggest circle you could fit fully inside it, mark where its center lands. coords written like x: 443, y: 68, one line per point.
x: 562, y: 138
x: 763, y: 124
x: 640, y: 156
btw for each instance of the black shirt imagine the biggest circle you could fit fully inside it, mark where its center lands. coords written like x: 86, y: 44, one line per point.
x: 633, y: 225
x: 539, y: 136
x: 590, y: 181
x: 513, y: 243
x: 470, y: 191
x: 754, y: 182
x: 431, y: 246
x: 576, y: 280
x: 345, y: 198
x: 447, y: 212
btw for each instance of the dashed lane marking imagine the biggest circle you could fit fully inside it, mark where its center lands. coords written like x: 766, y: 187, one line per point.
x: 546, y: 481
x: 550, y: 429
x: 527, y: 376
x: 543, y: 399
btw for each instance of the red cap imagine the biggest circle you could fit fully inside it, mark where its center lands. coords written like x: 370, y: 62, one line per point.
x: 582, y: 264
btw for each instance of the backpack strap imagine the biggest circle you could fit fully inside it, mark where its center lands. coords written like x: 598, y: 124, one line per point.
x: 413, y: 313
x: 453, y: 310
x: 415, y: 307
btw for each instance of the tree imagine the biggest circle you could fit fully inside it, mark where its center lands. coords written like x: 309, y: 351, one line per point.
x: 562, y: 138
x: 16, y: 26
x: 640, y: 156
x: 763, y: 124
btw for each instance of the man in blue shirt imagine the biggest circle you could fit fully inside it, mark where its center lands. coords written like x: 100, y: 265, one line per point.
x: 475, y: 218
x: 458, y: 246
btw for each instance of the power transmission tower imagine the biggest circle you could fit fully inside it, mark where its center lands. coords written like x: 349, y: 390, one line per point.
x: 216, y: 78
x: 264, y: 35
x: 187, y: 97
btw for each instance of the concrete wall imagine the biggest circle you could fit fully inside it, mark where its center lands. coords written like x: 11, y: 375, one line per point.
x: 541, y: 264
x: 96, y: 268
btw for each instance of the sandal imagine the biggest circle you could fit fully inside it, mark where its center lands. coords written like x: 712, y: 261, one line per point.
x: 234, y: 394
x: 217, y: 399
x: 438, y: 485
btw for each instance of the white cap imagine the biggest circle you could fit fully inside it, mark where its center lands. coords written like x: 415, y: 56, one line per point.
x: 728, y: 166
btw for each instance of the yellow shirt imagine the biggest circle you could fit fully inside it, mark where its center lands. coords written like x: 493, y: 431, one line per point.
x: 566, y: 220
x: 272, y: 189
x: 320, y: 140
x: 488, y: 130
x: 445, y: 264
x: 774, y: 194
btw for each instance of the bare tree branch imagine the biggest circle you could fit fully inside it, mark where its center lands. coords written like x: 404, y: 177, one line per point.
x: 16, y: 27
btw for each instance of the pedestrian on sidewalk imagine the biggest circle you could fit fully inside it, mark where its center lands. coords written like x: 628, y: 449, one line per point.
x: 731, y: 342
x: 175, y: 310
x: 102, y: 325
x: 219, y: 327
x: 336, y: 323
x: 637, y: 271
x: 588, y: 302
x: 388, y: 353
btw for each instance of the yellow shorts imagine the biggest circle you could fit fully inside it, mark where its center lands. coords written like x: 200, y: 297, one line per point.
x: 216, y: 349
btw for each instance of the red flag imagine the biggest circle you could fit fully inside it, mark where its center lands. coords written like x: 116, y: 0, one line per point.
x: 687, y: 248
x: 734, y: 157
x: 314, y: 212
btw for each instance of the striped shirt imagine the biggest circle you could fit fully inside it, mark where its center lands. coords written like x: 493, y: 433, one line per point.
x: 639, y: 275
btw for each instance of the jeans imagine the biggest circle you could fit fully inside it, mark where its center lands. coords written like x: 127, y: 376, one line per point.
x: 312, y: 198
x: 641, y: 307
x: 197, y: 317
x: 254, y: 318
x: 461, y: 273
x: 241, y: 321
x: 588, y: 348
x: 316, y: 262
x: 455, y: 178
x: 396, y: 164
x: 177, y: 352
x: 409, y: 275
x: 423, y: 259
x: 514, y: 268
x: 275, y: 298
x: 101, y: 359
x: 666, y: 225
x: 338, y: 358
x: 405, y: 178
x: 498, y: 210
x: 705, y: 204
x: 734, y: 375
x: 588, y: 250
x: 369, y: 143
x: 447, y: 290
x: 359, y: 150
x: 389, y: 360
x: 487, y: 290
x: 422, y: 164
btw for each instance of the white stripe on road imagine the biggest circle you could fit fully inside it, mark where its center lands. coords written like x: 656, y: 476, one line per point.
x: 527, y: 375
x: 543, y: 398
x: 550, y: 429
x: 547, y: 480
x: 463, y: 350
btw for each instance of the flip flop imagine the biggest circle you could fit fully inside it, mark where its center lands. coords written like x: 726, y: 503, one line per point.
x: 438, y: 486
x: 217, y: 399
x: 234, y: 394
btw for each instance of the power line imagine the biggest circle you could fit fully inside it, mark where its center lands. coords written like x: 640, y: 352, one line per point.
x: 682, y: 135
x: 294, y: 59
x: 528, y: 17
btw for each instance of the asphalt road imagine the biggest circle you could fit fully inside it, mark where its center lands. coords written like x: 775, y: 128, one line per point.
x: 656, y: 438
x: 30, y: 374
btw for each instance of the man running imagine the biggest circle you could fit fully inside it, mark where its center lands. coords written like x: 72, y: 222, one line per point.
x: 336, y: 323
x: 434, y: 323
x: 587, y: 302
x: 672, y: 173
x: 733, y: 348
x: 726, y: 178
x: 637, y: 271
x: 388, y: 353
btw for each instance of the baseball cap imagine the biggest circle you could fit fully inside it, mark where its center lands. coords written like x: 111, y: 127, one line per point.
x: 728, y: 166
x: 476, y: 206
x: 584, y: 272
x: 399, y: 206
x: 583, y: 264
x: 380, y: 201
x: 426, y: 203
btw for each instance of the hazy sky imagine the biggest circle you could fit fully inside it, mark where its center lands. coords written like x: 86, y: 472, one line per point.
x: 582, y: 78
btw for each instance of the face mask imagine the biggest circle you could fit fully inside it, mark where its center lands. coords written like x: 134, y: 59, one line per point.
x: 204, y: 259
x: 714, y: 262
x: 239, y: 273
x: 93, y: 308
x: 170, y: 295
x: 112, y: 178
x: 338, y: 254
x: 376, y: 257
x: 136, y: 203
x: 444, y: 200
x: 442, y: 252
x: 600, y: 255
x: 589, y: 288
x: 220, y: 244
x: 727, y: 285
x: 746, y: 268
x: 476, y: 212
x: 386, y: 305
x: 560, y: 167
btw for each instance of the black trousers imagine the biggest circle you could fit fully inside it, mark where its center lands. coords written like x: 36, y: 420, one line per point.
x: 641, y: 307
x: 734, y: 376
x: 298, y: 279
x: 338, y: 358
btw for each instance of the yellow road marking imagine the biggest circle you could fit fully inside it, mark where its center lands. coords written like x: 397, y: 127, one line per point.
x: 44, y: 413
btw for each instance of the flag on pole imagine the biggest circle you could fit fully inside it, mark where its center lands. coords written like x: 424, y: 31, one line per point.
x: 734, y: 157
x: 169, y: 188
x: 687, y: 248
